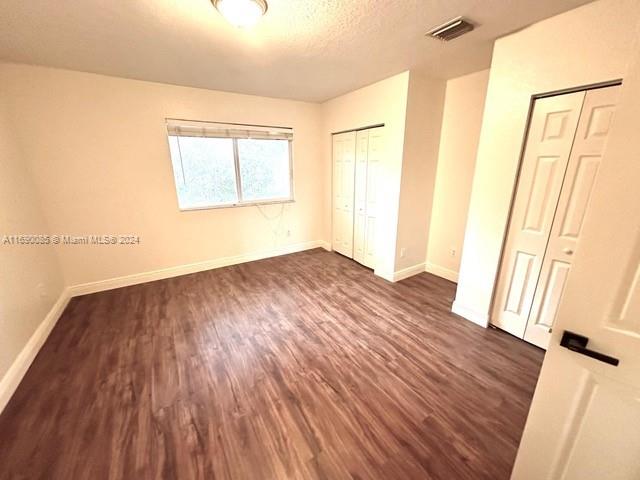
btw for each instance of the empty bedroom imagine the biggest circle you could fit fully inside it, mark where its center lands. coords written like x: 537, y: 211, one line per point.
x: 278, y: 240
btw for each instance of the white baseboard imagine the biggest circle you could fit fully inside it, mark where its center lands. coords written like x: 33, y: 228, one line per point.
x: 389, y: 276
x: 12, y: 378
x: 144, y: 277
x: 443, y: 272
x: 408, y: 272
x: 326, y: 245
x: 478, y: 318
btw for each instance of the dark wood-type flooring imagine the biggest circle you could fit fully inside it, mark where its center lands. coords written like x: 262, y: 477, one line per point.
x: 305, y: 366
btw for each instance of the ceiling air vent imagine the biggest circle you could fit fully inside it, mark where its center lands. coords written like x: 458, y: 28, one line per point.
x: 451, y: 29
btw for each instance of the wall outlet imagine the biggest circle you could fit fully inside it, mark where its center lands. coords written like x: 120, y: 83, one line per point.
x: 452, y: 252
x: 403, y: 252
x: 288, y: 233
x: 43, y: 293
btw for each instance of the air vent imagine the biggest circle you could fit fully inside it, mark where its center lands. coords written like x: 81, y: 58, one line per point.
x: 451, y: 29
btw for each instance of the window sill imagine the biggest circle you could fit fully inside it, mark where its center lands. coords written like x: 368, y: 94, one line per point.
x: 239, y: 204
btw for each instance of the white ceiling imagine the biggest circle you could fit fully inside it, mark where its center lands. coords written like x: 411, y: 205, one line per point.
x: 302, y: 49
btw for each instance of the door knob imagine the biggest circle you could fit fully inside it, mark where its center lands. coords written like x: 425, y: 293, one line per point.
x: 578, y: 343
x: 568, y: 251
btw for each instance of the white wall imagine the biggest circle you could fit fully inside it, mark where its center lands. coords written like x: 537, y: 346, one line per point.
x: 461, y: 124
x: 420, y: 157
x: 572, y: 49
x: 385, y: 103
x: 98, y: 151
x: 31, y: 280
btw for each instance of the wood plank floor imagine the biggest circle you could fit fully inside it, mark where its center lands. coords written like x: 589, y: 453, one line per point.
x: 304, y: 366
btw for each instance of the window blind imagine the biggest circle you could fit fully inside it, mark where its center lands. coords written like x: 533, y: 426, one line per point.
x: 182, y: 128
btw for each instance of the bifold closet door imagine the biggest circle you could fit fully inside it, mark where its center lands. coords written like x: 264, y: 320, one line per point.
x: 344, y: 153
x: 360, y: 213
x: 368, y: 156
x: 374, y: 159
x: 549, y: 141
x: 582, y: 170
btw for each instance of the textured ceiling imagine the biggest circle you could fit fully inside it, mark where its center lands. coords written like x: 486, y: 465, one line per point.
x: 302, y: 49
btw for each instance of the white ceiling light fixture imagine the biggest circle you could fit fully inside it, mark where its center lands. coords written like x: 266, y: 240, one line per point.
x: 241, y: 13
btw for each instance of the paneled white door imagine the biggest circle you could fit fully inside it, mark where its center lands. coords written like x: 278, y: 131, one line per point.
x: 584, y: 421
x: 356, y: 162
x: 344, y: 153
x: 360, y: 214
x: 549, y: 141
x: 584, y: 164
x: 374, y: 160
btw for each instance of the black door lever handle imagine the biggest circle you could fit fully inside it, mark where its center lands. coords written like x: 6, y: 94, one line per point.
x: 578, y: 343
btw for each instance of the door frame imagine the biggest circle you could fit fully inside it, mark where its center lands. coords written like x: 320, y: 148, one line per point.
x: 516, y: 183
x: 375, y: 125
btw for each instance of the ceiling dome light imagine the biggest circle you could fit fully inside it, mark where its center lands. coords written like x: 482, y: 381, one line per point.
x: 241, y: 13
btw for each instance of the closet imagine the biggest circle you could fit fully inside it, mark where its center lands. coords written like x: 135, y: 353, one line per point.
x: 356, y: 160
x: 565, y: 142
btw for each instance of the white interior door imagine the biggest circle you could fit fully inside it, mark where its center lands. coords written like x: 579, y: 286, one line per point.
x: 584, y: 163
x: 344, y: 152
x: 360, y: 214
x: 375, y: 155
x: 551, y: 132
x: 584, y: 421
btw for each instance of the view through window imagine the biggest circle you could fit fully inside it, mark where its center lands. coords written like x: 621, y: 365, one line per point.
x: 217, y: 165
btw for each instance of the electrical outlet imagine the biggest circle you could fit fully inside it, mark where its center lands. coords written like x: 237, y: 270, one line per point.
x: 41, y: 288
x: 403, y: 252
x: 288, y: 233
x: 452, y: 252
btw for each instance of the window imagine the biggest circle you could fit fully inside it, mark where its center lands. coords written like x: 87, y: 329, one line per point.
x: 221, y: 165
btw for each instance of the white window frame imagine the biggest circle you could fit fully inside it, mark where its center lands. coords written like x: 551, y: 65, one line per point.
x: 235, y: 132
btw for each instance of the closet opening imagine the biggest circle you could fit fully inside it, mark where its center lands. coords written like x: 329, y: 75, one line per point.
x: 357, y: 155
x: 562, y: 149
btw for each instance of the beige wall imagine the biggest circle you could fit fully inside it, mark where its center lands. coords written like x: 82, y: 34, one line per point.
x: 569, y: 50
x: 385, y: 103
x: 31, y: 280
x: 461, y: 124
x: 98, y: 150
x: 410, y: 107
x: 420, y: 157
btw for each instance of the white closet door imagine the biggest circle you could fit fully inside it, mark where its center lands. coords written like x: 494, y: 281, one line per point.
x: 374, y: 158
x: 360, y: 214
x: 550, y: 137
x: 584, y: 164
x: 344, y: 149
x: 584, y: 420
